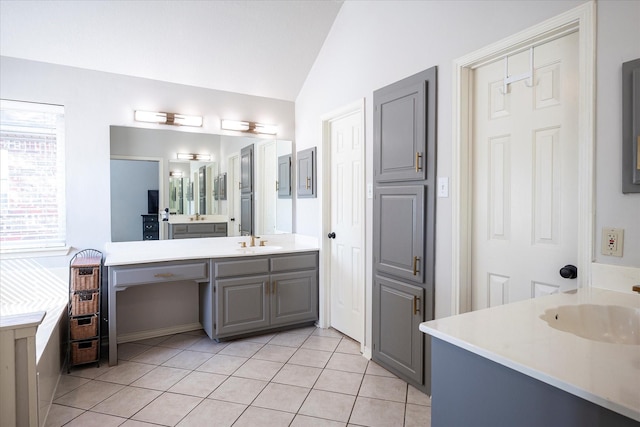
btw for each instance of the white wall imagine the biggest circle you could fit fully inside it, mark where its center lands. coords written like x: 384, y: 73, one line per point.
x: 95, y: 100
x: 375, y: 43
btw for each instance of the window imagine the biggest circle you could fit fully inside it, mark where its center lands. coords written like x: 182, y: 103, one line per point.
x: 32, y: 179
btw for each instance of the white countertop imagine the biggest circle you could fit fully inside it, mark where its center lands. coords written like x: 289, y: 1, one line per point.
x: 127, y: 253
x: 515, y: 336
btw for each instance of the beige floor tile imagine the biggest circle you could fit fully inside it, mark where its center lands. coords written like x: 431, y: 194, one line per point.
x: 168, y: 409
x: 261, y: 339
x: 241, y: 349
x: 374, y: 369
x: 161, y: 378
x: 288, y: 339
x: 156, y: 355
x: 329, y: 405
x: 187, y: 359
x: 417, y: 397
x: 417, y: 416
x: 222, y: 364
x: 314, y: 358
x: 258, y: 369
x: 126, y: 402
x: 238, y: 390
x: 207, y: 345
x: 384, y: 388
x: 339, y: 382
x: 199, y: 384
x: 377, y: 413
x: 307, y: 330
x: 348, y: 362
x: 213, y: 412
x: 281, y: 397
x: 60, y: 415
x: 94, y: 419
x: 180, y: 341
x: 154, y: 340
x: 89, y: 394
x: 303, y: 376
x: 253, y: 417
x: 129, y: 350
x: 90, y: 371
x: 68, y: 383
x: 134, y: 423
x: 321, y: 343
x: 126, y: 372
x: 274, y: 353
x: 305, y: 421
x: 349, y: 346
x: 327, y: 332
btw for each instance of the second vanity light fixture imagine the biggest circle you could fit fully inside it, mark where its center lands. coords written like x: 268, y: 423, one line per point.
x: 250, y: 127
x: 174, y: 119
x: 192, y: 156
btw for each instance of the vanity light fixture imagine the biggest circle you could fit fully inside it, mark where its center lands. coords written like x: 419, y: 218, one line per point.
x: 175, y: 174
x: 167, y: 118
x: 250, y: 127
x: 191, y: 156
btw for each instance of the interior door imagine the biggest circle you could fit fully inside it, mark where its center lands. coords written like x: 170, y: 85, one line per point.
x: 233, y: 195
x: 266, y: 200
x: 246, y: 191
x: 525, y: 169
x: 347, y: 226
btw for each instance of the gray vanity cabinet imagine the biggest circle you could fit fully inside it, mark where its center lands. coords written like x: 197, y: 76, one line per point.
x: 306, y: 173
x: 197, y: 230
x: 398, y: 341
x: 258, y: 293
x: 284, y: 177
x: 404, y: 159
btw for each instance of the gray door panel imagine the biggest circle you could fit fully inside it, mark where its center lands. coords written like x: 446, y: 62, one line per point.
x: 294, y: 297
x: 398, y: 341
x: 399, y: 225
x: 284, y: 177
x: 241, y: 304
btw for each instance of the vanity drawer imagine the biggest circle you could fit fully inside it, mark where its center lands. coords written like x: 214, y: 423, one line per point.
x: 162, y: 272
x: 179, y: 228
x: 242, y: 267
x: 294, y: 262
x: 200, y: 228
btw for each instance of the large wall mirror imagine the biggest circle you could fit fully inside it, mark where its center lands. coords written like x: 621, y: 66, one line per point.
x: 150, y: 172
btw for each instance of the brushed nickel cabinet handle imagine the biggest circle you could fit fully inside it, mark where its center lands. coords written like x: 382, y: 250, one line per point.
x: 415, y: 265
x: 418, y: 157
x: 307, y: 184
x: 416, y: 305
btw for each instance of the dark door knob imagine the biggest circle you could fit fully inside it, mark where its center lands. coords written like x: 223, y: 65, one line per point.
x: 569, y: 271
x: 331, y: 235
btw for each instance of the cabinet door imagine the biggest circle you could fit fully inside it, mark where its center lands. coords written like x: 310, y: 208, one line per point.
x: 306, y: 173
x: 246, y: 214
x: 246, y: 169
x: 397, y: 313
x: 404, y: 122
x: 284, y: 177
x: 398, y: 224
x: 294, y: 297
x: 241, y: 304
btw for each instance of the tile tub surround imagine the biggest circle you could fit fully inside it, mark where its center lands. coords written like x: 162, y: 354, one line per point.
x: 128, y: 253
x: 515, y: 336
x: 267, y: 380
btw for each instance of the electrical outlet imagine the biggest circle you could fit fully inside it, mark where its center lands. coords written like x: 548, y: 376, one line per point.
x: 612, y: 241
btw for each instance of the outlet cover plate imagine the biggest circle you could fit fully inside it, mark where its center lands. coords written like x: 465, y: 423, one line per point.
x: 612, y: 241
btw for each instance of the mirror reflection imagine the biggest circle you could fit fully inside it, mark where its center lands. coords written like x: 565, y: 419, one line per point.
x: 196, y: 198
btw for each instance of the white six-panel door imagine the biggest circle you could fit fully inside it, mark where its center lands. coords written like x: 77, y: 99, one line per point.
x: 347, y: 222
x: 525, y: 175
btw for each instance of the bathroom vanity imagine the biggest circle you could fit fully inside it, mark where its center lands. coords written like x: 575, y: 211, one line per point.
x: 242, y: 290
x: 511, y: 365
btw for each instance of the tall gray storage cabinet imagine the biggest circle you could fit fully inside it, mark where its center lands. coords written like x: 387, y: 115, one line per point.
x: 404, y: 225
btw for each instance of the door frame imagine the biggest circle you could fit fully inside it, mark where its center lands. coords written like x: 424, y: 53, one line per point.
x: 583, y: 20
x: 325, y: 194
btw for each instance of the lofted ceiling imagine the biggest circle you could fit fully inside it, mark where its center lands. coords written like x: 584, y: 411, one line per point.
x: 256, y: 47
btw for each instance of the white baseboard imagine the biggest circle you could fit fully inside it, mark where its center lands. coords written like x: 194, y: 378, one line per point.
x: 366, y: 352
x: 153, y: 333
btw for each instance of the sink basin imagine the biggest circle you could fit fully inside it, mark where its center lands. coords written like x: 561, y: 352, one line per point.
x: 258, y: 249
x: 604, y: 323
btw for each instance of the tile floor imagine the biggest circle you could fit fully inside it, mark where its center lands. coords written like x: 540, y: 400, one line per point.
x: 303, y: 377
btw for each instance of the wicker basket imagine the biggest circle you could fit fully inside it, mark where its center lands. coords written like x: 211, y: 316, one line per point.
x: 84, y: 327
x: 84, y: 303
x: 85, y: 278
x: 84, y: 352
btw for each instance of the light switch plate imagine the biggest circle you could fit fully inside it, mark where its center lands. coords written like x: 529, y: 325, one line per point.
x: 443, y: 186
x: 369, y: 191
